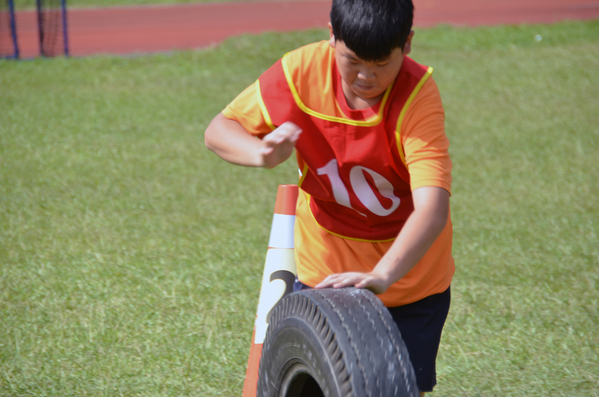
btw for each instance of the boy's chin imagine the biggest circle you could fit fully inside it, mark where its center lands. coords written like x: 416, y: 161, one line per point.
x: 368, y: 94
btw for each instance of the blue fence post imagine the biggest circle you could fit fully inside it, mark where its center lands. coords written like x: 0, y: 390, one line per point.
x: 13, y: 28
x: 65, y: 35
x: 40, y: 26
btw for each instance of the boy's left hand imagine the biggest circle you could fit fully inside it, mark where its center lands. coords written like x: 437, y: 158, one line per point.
x: 371, y: 281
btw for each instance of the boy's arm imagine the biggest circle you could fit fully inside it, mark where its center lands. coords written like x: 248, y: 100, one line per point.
x: 230, y: 141
x: 424, y: 225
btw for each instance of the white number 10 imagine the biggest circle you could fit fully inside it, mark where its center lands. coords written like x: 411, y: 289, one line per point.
x: 361, y: 187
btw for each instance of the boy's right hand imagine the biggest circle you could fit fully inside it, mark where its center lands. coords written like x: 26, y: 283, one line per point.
x: 278, y: 145
x: 229, y: 140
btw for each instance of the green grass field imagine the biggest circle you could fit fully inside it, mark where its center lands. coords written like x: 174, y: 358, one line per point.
x: 131, y: 256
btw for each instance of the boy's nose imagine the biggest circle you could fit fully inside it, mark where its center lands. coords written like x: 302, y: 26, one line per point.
x: 366, y: 74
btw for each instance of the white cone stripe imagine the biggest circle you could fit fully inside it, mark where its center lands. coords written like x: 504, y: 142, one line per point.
x: 281, y: 232
x: 272, y: 291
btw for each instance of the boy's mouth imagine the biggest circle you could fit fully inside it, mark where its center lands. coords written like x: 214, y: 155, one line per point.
x: 364, y: 87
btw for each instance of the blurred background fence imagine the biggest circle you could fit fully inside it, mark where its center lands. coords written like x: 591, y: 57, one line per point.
x: 149, y: 26
x: 46, y: 26
x: 8, y: 38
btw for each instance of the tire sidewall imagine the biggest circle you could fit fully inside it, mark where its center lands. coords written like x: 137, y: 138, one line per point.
x: 295, y: 345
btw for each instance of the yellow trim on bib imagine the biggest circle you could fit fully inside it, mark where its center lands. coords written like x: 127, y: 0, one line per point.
x: 404, y: 110
x: 263, y: 107
x: 305, y: 109
x: 303, y: 176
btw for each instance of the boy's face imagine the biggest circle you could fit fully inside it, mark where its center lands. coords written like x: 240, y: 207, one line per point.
x: 364, y: 83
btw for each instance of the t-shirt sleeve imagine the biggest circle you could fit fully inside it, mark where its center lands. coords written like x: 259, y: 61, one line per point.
x: 425, y: 144
x: 245, y: 109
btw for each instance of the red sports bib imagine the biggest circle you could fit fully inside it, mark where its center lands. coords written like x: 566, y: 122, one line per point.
x: 351, y: 166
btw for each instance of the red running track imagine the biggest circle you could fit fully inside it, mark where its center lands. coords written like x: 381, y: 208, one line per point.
x: 148, y: 29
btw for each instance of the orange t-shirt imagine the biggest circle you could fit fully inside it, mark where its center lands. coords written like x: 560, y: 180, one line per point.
x: 421, y: 132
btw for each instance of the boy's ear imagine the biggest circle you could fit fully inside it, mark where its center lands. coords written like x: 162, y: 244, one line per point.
x: 331, y: 36
x: 408, y: 46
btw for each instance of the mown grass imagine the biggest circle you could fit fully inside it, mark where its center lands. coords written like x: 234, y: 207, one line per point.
x: 524, y: 127
x: 131, y: 257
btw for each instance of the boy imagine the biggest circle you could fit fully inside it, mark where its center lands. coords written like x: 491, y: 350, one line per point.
x: 367, y: 124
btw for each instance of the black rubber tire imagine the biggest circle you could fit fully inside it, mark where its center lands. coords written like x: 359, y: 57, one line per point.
x: 334, y: 343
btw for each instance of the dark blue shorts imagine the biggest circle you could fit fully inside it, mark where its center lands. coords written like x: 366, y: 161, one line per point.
x: 420, y: 324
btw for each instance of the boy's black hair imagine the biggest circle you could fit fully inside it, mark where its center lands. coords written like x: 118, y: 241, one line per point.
x: 372, y: 28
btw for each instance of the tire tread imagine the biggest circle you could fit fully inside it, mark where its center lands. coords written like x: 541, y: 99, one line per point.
x: 356, y: 331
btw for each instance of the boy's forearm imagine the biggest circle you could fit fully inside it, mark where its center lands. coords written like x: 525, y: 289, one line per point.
x: 230, y: 141
x: 419, y: 233
x: 425, y: 224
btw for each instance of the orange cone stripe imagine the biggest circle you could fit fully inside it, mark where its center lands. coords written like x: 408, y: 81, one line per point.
x: 277, y: 279
x: 286, y: 200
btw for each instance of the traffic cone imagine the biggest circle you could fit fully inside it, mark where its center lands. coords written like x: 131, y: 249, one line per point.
x: 277, y: 280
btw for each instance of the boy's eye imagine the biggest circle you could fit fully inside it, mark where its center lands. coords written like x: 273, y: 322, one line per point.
x: 384, y: 63
x: 351, y: 59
